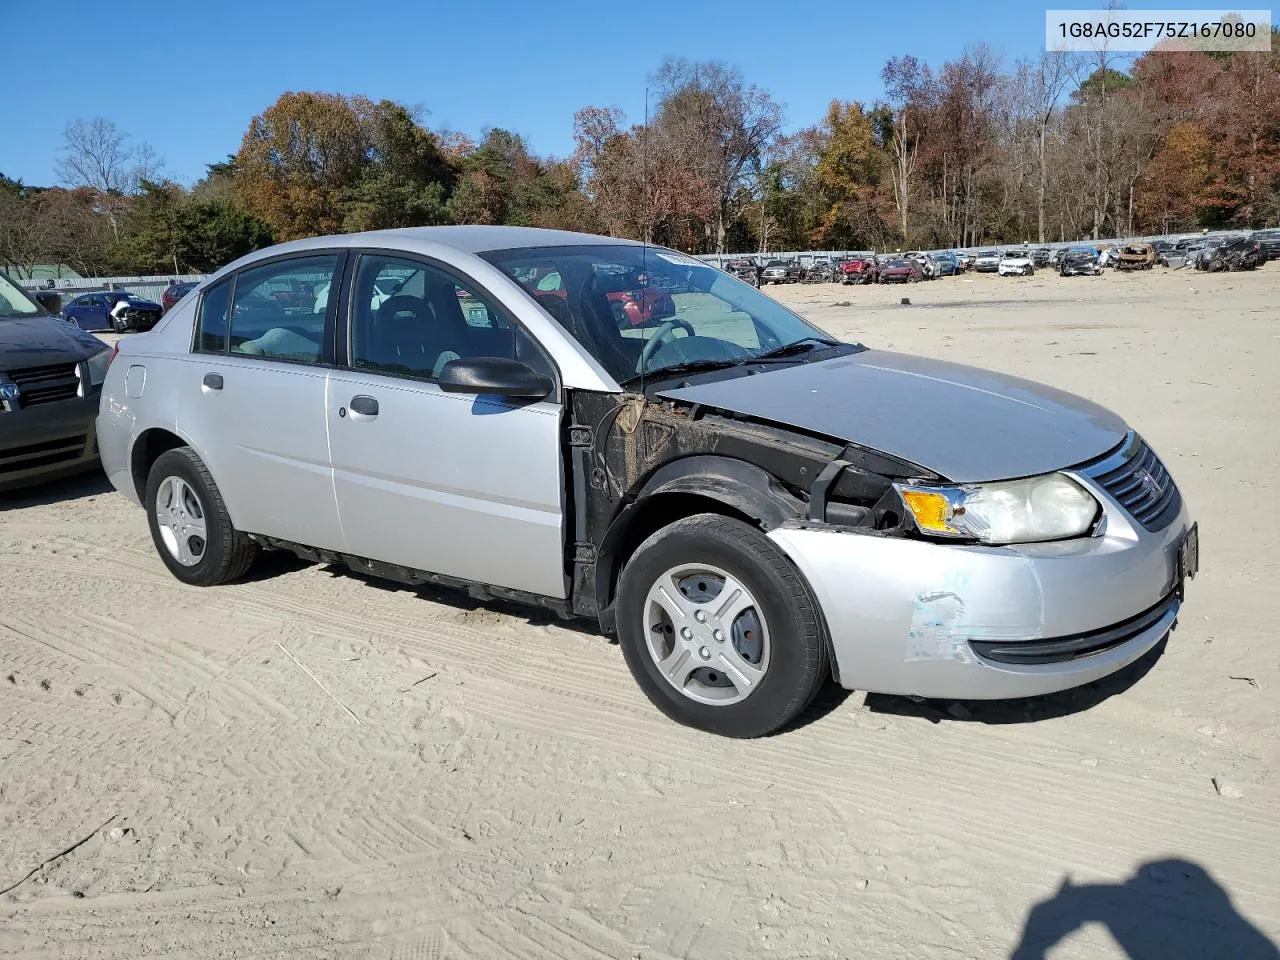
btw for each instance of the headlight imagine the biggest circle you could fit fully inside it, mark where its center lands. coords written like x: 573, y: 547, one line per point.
x: 97, y: 367
x: 1015, y: 511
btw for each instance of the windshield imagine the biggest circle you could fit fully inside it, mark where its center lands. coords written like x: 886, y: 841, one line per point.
x: 640, y: 310
x: 14, y: 302
x: 989, y: 253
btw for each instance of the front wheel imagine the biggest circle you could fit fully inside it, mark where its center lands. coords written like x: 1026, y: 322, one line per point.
x: 119, y: 325
x: 719, y: 629
x: 189, y: 522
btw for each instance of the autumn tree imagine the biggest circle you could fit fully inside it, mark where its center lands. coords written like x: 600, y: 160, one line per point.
x: 297, y: 159
x: 406, y: 179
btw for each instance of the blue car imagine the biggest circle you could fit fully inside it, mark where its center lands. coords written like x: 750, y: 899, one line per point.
x: 947, y: 264
x: 117, y: 310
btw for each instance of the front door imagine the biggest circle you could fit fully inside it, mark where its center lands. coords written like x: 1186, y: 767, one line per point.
x: 254, y: 398
x: 90, y: 312
x: 468, y: 487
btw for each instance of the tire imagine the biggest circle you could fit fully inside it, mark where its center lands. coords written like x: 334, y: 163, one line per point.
x: 223, y: 553
x: 792, y: 654
x: 1031, y: 271
x: 119, y: 325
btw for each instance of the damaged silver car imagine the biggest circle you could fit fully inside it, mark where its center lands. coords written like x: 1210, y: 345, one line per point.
x: 750, y: 505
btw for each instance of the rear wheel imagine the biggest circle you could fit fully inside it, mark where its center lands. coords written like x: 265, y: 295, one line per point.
x: 189, y: 522
x: 719, y: 629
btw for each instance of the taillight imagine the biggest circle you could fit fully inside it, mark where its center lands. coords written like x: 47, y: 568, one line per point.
x: 115, y: 348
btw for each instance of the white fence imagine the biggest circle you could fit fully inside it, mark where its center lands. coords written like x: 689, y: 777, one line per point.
x: 150, y: 288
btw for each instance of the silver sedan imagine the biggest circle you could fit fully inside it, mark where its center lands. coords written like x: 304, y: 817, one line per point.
x: 619, y: 432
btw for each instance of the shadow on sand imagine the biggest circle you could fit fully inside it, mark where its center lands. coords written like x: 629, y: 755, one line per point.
x: 1168, y: 910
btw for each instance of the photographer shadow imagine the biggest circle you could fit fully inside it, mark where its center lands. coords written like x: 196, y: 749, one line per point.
x: 1168, y: 910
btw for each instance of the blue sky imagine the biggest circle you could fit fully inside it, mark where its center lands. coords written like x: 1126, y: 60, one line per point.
x: 188, y: 77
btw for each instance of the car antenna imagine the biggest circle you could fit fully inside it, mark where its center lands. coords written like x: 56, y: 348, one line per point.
x: 644, y: 230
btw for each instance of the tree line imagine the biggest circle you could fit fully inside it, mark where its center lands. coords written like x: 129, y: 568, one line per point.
x: 968, y: 152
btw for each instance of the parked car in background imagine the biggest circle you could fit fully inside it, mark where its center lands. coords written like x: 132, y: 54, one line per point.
x: 175, y: 292
x: 781, y: 271
x: 1041, y: 256
x: 987, y: 261
x: 1135, y: 256
x: 927, y: 267
x: 50, y: 381
x: 819, y: 270
x: 116, y: 310
x: 963, y: 260
x: 1079, y: 262
x: 858, y: 270
x: 679, y: 486
x: 900, y: 270
x: 745, y: 269
x: 1235, y: 253
x: 1204, y: 252
x: 944, y: 264
x: 1270, y: 241
x: 1016, y: 263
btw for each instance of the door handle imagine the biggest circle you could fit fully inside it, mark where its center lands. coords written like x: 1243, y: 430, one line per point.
x: 212, y: 381
x: 363, y: 407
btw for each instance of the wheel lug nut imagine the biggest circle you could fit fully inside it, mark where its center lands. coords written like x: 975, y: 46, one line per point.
x: 719, y: 635
x: 700, y: 616
x: 704, y: 653
x: 686, y: 633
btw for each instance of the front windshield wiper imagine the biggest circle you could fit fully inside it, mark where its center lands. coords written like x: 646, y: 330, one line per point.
x: 803, y: 345
x: 689, y: 366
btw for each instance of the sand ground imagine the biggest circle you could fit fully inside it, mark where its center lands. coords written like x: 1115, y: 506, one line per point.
x: 501, y: 789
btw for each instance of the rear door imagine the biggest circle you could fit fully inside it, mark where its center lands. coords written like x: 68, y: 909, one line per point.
x: 254, y: 397
x: 464, y: 486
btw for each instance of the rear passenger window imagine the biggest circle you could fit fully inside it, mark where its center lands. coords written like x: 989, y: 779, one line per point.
x: 212, y: 335
x: 280, y: 308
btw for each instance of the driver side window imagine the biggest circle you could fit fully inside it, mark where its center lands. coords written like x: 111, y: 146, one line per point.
x: 409, y: 319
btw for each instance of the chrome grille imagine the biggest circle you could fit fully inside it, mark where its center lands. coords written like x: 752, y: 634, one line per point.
x: 47, y: 384
x: 1134, y: 475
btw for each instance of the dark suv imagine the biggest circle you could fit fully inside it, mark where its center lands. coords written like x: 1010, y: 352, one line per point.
x: 1270, y: 241
x: 50, y: 379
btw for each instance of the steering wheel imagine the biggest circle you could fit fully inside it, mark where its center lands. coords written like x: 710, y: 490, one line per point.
x: 662, y: 333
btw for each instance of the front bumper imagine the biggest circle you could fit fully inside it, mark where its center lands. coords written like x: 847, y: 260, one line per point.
x: 47, y: 441
x: 915, y: 617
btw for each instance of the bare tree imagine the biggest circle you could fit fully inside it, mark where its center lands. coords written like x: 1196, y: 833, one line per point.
x: 721, y: 126
x: 95, y: 155
x: 98, y: 155
x: 1042, y: 83
x: 905, y: 80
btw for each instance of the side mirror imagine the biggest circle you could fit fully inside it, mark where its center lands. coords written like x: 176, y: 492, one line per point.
x: 51, y: 300
x: 494, y: 376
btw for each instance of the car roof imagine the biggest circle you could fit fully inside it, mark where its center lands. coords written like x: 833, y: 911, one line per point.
x: 467, y: 239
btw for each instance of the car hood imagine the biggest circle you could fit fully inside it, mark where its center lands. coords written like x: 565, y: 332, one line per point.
x: 37, y: 341
x: 962, y: 422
